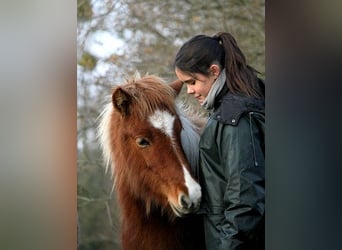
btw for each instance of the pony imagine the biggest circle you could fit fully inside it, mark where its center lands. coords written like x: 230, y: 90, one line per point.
x: 149, y: 143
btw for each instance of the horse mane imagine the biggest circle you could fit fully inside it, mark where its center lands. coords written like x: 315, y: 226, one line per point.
x: 103, y: 133
x: 190, y: 134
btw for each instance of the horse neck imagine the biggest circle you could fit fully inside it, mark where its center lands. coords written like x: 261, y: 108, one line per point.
x: 153, y: 231
x: 140, y: 211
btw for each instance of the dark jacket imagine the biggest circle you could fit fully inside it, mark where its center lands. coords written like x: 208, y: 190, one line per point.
x: 232, y: 174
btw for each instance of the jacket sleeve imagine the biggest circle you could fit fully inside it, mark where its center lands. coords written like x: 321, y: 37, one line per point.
x: 242, y: 157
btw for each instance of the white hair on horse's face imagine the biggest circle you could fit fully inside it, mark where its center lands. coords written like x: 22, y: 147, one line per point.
x: 194, y: 188
x: 164, y: 121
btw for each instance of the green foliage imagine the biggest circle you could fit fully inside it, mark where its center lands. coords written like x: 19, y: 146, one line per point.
x: 97, y: 208
x: 84, y: 10
x: 87, y: 61
x: 159, y: 27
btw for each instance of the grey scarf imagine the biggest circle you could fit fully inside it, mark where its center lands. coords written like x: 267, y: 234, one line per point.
x: 218, y: 85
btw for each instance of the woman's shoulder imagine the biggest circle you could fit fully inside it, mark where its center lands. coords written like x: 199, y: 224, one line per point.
x: 232, y: 107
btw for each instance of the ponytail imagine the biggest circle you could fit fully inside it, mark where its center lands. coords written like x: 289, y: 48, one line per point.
x: 241, y: 78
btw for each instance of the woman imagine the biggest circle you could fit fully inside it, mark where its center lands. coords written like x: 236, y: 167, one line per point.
x: 231, y: 171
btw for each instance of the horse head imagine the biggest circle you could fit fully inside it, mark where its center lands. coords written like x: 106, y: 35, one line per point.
x: 142, y: 132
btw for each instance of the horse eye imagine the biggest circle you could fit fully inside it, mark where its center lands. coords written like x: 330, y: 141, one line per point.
x: 142, y: 142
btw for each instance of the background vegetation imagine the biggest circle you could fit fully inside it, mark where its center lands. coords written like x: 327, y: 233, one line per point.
x: 147, y: 36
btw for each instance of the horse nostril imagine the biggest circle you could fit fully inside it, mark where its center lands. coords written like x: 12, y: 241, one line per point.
x: 185, y: 201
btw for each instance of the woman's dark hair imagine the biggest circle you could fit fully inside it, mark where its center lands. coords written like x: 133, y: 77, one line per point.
x: 200, y: 52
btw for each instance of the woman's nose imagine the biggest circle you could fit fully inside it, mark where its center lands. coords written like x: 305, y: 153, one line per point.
x: 190, y: 90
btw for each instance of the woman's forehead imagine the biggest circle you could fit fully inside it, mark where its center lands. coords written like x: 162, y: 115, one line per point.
x: 182, y: 75
x: 186, y: 77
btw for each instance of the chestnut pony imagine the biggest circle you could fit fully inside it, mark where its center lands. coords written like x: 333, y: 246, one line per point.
x: 150, y: 141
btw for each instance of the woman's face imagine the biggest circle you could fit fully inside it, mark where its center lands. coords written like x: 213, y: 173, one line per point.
x: 198, y: 85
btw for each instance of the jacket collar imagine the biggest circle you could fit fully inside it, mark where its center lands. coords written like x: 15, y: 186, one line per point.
x: 229, y: 108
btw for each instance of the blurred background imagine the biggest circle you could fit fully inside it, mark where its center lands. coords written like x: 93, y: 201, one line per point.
x: 115, y: 38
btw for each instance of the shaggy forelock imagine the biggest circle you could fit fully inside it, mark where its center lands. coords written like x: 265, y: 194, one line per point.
x: 149, y: 94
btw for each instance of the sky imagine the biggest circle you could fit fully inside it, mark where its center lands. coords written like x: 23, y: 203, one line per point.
x: 102, y: 44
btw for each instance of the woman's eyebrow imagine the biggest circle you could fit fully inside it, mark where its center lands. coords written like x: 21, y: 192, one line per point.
x: 189, y: 81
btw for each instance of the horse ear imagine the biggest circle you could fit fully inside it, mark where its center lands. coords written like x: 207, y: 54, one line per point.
x: 121, y: 100
x: 177, y: 86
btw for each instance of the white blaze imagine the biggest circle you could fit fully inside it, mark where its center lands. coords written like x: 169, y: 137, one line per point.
x: 193, y: 188
x: 164, y: 121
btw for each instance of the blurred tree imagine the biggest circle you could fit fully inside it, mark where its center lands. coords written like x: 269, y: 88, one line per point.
x: 84, y: 10
x: 146, y: 35
x: 164, y: 25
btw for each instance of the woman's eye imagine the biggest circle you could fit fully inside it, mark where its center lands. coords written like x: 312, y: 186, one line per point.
x: 192, y: 82
x: 142, y: 142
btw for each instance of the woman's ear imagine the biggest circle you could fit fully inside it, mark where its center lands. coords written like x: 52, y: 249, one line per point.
x: 215, y: 70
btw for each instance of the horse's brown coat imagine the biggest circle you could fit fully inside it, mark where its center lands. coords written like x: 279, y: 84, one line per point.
x: 148, y: 169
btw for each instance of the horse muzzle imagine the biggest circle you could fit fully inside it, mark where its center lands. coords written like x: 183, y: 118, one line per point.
x: 185, y: 205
